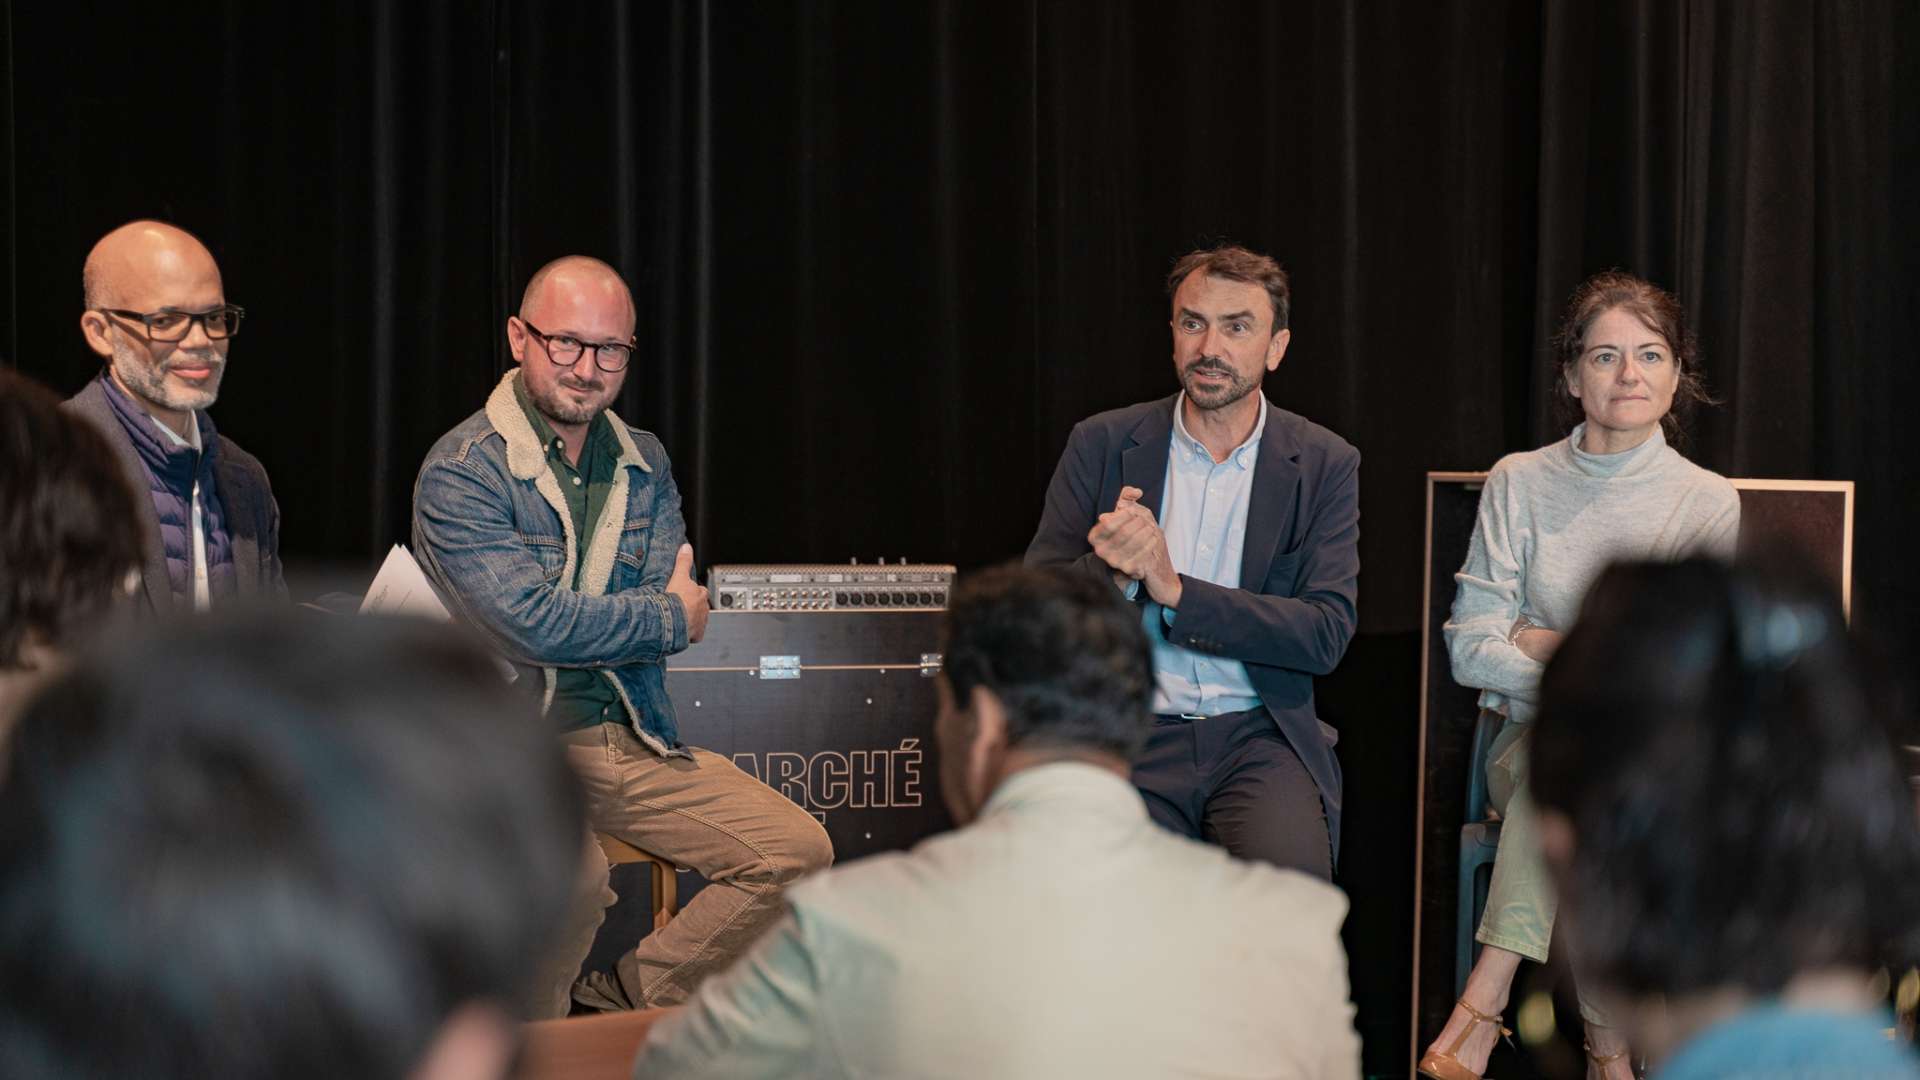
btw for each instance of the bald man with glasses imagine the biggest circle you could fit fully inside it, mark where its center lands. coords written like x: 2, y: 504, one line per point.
x: 157, y: 315
x: 555, y: 527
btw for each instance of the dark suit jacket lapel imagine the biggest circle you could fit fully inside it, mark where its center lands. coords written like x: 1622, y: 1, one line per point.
x: 92, y: 404
x: 1143, y: 463
x: 1276, y: 481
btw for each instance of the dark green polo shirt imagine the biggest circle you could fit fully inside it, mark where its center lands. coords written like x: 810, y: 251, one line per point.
x: 582, y: 697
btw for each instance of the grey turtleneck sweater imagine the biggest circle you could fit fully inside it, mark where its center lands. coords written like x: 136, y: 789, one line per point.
x: 1550, y: 520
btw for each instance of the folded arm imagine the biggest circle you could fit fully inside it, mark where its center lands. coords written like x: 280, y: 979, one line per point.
x: 1489, y: 592
x: 1721, y: 535
x: 464, y: 535
x: 1072, y: 507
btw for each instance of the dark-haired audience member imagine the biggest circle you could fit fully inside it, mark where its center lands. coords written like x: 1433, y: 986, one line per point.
x: 331, y: 848
x: 156, y: 312
x: 66, y: 554
x: 1059, y: 931
x: 1626, y: 367
x: 1234, y: 525
x: 1721, y: 807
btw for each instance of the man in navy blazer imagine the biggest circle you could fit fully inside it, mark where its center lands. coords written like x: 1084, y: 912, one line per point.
x: 1235, y: 526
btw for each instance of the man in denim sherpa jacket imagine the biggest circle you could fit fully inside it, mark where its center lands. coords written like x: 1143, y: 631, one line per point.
x: 555, y: 528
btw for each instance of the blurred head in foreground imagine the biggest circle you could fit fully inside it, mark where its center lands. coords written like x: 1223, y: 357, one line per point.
x: 1720, y: 797
x: 269, y: 847
x: 69, y: 535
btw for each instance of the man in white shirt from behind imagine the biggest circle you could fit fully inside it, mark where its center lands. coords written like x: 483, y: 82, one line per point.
x: 1059, y: 932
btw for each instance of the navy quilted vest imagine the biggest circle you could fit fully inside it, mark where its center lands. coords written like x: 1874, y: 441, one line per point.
x: 171, y: 471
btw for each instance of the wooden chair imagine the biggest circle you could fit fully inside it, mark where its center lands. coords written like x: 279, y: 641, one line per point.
x: 666, y: 902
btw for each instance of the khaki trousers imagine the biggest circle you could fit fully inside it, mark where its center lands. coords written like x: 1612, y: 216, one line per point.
x: 1520, y: 900
x: 746, y: 839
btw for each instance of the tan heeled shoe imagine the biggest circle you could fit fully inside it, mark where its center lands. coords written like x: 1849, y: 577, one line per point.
x: 1605, y: 1060
x: 1442, y: 1065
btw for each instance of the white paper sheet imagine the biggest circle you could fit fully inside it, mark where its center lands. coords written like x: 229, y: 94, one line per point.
x: 400, y: 588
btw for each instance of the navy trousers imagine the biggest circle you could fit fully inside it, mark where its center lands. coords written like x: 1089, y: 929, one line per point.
x: 1234, y: 781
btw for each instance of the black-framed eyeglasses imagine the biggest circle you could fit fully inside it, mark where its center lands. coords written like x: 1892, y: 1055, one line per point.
x: 565, y: 350
x: 170, y: 325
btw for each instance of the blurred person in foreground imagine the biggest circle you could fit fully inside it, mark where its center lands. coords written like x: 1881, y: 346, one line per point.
x: 1734, y: 846
x: 1059, y: 931
x: 330, y: 848
x: 67, y: 555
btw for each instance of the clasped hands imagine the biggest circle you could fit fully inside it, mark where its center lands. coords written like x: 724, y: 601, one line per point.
x: 1128, y: 539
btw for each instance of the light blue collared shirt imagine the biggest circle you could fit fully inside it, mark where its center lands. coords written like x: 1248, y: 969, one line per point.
x: 1203, y: 514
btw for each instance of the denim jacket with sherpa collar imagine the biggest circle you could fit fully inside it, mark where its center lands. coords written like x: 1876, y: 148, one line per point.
x: 491, y: 528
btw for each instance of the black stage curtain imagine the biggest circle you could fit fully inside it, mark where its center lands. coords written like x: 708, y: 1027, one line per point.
x: 887, y: 254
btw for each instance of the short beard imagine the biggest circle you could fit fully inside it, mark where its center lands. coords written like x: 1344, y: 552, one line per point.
x: 1207, y: 399
x: 550, y: 406
x: 148, y: 379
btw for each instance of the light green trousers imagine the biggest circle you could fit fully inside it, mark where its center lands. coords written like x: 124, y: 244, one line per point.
x: 1520, y: 898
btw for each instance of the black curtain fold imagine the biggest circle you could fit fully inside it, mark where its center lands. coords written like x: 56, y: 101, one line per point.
x: 1747, y: 156
x: 885, y: 255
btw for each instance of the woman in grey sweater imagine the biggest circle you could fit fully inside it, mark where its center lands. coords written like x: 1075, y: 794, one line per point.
x: 1550, y: 520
